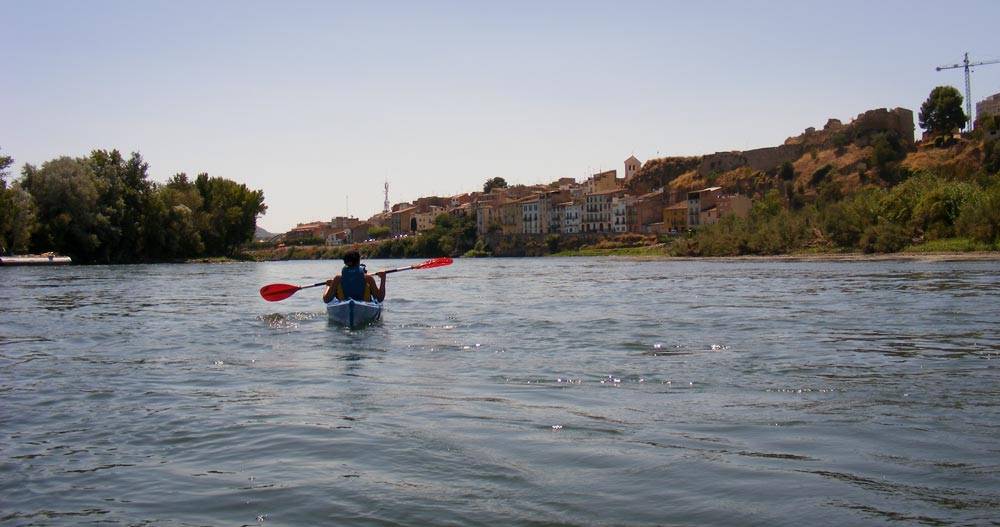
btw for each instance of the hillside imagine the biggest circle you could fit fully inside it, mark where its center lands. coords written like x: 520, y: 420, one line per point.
x: 875, y: 149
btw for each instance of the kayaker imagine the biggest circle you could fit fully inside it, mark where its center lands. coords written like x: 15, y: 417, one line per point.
x: 355, y: 282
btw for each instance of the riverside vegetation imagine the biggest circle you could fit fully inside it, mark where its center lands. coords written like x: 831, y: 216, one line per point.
x: 104, y: 209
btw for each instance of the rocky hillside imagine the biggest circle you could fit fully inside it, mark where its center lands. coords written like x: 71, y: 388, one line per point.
x: 876, y: 148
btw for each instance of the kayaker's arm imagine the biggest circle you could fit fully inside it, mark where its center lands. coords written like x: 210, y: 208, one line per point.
x: 380, y: 289
x: 331, y: 289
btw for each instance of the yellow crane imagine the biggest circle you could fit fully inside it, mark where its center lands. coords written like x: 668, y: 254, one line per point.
x: 968, y: 85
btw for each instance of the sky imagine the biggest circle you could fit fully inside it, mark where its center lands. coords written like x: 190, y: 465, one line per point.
x: 318, y: 103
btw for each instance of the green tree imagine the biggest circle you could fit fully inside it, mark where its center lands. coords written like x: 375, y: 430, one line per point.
x: 980, y: 216
x: 942, y: 111
x: 886, y: 151
x: 67, y: 199
x: 497, y: 182
x: 230, y: 213
x: 16, y: 213
x: 126, y: 201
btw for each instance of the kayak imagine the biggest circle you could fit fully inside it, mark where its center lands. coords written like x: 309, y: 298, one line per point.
x: 353, y: 313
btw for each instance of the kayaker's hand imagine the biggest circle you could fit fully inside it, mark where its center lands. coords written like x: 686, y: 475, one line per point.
x: 381, y: 275
x: 329, y: 283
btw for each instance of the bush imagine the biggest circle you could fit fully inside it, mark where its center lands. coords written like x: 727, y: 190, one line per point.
x: 884, y: 237
x: 979, y: 217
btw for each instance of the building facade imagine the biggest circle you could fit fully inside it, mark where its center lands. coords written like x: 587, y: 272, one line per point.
x: 570, y: 217
x: 675, y: 217
x: 989, y: 105
x: 597, y: 213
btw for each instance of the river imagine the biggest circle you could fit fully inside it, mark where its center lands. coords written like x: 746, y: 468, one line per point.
x: 551, y: 391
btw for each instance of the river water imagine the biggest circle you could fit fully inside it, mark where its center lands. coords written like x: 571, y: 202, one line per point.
x: 548, y: 391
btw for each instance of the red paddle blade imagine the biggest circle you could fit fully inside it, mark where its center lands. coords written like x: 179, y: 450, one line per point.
x: 275, y: 292
x: 436, y: 262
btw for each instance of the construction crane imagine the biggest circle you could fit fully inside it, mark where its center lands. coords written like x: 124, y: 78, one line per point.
x: 968, y: 85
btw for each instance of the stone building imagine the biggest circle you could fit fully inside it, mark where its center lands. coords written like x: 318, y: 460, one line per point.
x: 603, y: 182
x: 403, y: 221
x: 675, y: 217
x: 989, y: 105
x: 632, y: 166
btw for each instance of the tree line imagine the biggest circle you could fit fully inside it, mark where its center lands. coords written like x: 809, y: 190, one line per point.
x: 104, y: 209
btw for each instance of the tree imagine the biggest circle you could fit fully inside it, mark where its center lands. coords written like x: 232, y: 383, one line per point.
x: 67, y: 199
x: 125, y: 199
x: 497, y: 182
x: 230, y: 213
x: 16, y: 213
x: 942, y: 112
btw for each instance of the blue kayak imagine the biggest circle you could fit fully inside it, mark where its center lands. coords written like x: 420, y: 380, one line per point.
x: 353, y: 313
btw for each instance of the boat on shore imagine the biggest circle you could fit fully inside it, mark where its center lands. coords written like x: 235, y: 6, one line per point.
x: 35, y: 259
x: 353, y: 313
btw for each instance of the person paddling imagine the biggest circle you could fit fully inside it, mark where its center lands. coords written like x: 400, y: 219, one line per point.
x: 355, y: 282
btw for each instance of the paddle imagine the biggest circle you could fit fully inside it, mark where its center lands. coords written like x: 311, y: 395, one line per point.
x: 276, y: 292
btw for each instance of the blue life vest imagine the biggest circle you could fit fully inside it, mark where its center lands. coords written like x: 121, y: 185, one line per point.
x: 353, y: 284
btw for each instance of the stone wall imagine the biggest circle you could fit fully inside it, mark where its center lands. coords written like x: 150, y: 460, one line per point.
x: 899, y: 120
x: 758, y: 159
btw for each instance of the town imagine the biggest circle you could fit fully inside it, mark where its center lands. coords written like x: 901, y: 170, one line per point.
x: 674, y: 195
x: 604, y: 203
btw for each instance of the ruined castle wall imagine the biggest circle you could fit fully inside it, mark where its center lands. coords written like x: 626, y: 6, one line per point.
x: 899, y: 120
x: 757, y: 159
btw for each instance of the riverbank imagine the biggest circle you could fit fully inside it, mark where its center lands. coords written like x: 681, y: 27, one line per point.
x: 659, y: 252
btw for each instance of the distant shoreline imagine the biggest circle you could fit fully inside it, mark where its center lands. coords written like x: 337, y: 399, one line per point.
x: 837, y: 257
x: 970, y: 256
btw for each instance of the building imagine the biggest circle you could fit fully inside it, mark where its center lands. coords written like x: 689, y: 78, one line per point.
x: 622, y: 210
x: 597, y: 211
x: 511, y: 217
x: 709, y: 205
x: 648, y: 210
x: 535, y: 218
x: 699, y: 200
x: 726, y: 205
x: 675, y: 217
x: 602, y: 182
x: 570, y: 215
x: 989, y: 105
x: 343, y: 222
x: 339, y: 237
x: 487, y: 218
x: 403, y: 221
x: 425, y: 220
x: 632, y: 166
x: 318, y: 230
x: 359, y: 232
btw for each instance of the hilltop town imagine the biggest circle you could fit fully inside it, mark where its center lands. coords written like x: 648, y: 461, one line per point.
x: 670, y: 196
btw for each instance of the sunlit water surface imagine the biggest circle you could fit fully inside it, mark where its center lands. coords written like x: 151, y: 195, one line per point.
x: 504, y: 392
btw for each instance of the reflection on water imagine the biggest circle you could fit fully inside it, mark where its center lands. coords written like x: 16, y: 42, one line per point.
x: 508, y: 391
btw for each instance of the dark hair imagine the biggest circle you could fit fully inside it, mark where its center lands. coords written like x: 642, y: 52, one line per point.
x: 352, y: 258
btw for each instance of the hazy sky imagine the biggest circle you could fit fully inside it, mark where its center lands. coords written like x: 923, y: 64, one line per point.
x: 317, y: 101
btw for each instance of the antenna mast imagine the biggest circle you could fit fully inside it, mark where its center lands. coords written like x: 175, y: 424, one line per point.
x: 965, y: 64
x: 385, y: 204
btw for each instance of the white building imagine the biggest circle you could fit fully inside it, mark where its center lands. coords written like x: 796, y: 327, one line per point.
x: 570, y: 217
x: 619, y: 213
